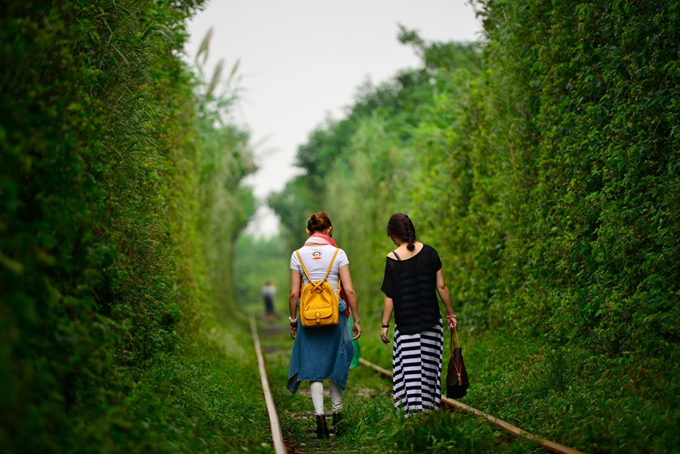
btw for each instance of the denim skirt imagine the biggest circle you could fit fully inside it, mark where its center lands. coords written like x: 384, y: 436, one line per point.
x: 321, y: 353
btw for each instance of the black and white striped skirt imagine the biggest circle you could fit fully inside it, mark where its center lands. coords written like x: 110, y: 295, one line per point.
x: 417, y: 368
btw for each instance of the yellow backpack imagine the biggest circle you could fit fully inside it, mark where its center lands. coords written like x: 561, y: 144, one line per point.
x: 318, y: 302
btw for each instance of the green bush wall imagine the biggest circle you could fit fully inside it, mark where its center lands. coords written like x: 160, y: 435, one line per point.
x: 548, y: 175
x: 115, y: 183
x: 544, y: 167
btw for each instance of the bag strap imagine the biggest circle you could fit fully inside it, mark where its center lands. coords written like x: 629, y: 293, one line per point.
x: 303, y: 266
x: 458, y: 371
x: 457, y: 338
x: 339, y: 280
x: 328, y: 271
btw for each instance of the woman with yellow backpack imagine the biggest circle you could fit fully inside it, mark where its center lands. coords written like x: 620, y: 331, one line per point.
x: 320, y: 291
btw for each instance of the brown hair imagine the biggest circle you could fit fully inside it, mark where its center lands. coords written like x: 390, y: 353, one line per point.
x: 400, y: 226
x: 318, y: 222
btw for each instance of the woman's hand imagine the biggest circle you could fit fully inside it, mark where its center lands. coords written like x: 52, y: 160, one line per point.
x: 451, y: 322
x: 293, y: 326
x: 356, y: 330
x: 383, y: 336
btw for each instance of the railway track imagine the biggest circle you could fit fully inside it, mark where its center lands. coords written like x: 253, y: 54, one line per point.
x: 279, y: 443
x: 274, y: 424
x: 311, y: 447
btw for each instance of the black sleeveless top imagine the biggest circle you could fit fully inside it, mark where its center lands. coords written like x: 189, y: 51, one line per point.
x: 412, y: 285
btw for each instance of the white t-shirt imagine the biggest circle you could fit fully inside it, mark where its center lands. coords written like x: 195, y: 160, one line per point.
x: 317, y: 259
x: 268, y: 290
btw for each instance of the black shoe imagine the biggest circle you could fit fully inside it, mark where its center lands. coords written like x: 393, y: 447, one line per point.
x: 338, y: 425
x: 321, y: 427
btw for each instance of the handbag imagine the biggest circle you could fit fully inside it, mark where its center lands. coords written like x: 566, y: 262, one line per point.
x: 457, y: 381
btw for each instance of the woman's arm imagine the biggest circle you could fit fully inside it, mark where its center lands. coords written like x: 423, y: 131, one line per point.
x: 346, y: 279
x: 446, y: 298
x: 387, y: 315
x: 294, y: 295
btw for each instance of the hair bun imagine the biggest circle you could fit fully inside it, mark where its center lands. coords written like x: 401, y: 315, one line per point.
x: 318, y: 222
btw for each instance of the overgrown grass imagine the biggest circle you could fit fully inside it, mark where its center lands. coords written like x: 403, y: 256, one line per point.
x: 566, y: 395
x: 561, y: 394
x: 571, y: 396
x: 201, y: 398
x: 373, y: 424
x: 120, y: 201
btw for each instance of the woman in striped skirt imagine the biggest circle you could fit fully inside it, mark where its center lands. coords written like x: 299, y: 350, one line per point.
x: 413, y: 277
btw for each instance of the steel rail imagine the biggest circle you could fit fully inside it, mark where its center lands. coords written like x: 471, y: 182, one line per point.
x: 513, y: 430
x: 274, y: 424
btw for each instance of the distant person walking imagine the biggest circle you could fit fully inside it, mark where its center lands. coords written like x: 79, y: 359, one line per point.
x: 268, y: 293
x: 324, y: 352
x: 413, y: 277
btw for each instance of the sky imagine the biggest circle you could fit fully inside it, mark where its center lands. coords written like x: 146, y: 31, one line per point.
x: 300, y: 61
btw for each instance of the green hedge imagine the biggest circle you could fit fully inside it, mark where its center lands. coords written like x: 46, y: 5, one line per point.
x: 549, y: 179
x: 604, y: 239
x: 546, y: 173
x: 108, y: 165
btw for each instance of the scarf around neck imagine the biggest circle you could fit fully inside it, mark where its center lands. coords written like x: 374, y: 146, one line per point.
x: 320, y: 238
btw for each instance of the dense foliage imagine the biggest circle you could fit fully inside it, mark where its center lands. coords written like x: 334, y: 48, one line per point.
x: 545, y: 170
x: 543, y: 165
x: 119, y: 178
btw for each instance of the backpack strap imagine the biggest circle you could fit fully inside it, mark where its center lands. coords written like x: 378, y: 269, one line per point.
x: 328, y: 271
x: 303, y: 266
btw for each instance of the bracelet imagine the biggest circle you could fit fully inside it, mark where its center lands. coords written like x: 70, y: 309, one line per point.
x: 293, y: 325
x: 451, y: 316
x: 292, y: 320
x: 386, y: 325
